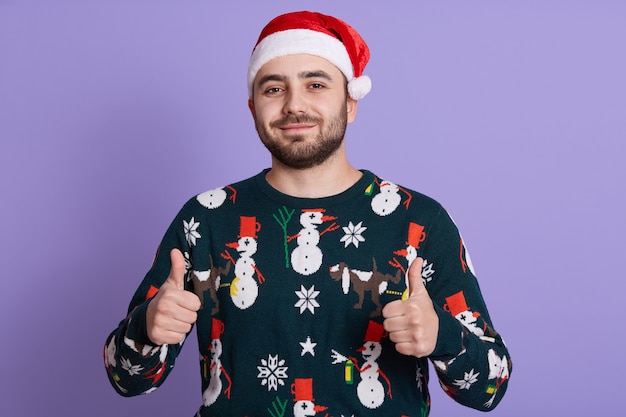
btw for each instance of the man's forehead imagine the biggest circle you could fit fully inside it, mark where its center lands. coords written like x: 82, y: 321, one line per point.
x: 299, y: 66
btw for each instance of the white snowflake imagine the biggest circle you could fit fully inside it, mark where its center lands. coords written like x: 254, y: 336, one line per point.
x: 188, y: 264
x: 427, y: 271
x: 307, y: 299
x: 272, y: 372
x: 418, y: 378
x: 353, y: 234
x: 191, y: 231
x: 467, y: 381
x: 132, y: 369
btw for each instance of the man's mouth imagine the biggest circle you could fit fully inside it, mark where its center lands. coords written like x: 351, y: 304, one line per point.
x: 293, y: 124
x: 296, y: 127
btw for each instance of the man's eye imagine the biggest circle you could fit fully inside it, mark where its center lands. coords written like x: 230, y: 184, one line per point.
x: 273, y: 90
x: 316, y: 86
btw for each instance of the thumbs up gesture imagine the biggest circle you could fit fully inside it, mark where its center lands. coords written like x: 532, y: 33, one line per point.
x: 413, y: 324
x: 172, y: 311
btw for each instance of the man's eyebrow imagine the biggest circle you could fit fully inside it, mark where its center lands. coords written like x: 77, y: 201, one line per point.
x: 314, y: 74
x: 271, y: 77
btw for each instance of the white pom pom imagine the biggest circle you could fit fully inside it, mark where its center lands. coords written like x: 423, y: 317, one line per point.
x: 359, y: 87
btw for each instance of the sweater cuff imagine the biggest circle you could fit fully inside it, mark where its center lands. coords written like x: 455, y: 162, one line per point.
x: 450, y: 337
x: 137, y: 329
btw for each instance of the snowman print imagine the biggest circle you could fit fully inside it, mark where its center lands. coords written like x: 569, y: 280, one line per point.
x: 304, y: 405
x: 306, y: 258
x: 370, y: 389
x: 457, y: 306
x: 213, y: 199
x: 157, y: 371
x: 416, y: 235
x: 244, y: 288
x: 389, y: 198
x: 209, y: 396
x: 498, y: 371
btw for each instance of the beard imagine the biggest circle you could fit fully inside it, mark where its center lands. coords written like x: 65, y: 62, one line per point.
x: 300, y: 153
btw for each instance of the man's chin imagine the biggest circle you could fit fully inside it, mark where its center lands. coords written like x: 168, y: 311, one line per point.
x: 297, y: 159
x: 299, y: 165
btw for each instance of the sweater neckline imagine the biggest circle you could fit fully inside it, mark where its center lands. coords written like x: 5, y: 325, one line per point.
x: 357, y: 189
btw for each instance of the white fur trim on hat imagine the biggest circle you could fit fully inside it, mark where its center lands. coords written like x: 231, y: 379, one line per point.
x: 302, y: 41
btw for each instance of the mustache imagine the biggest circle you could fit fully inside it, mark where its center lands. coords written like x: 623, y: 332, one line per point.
x: 291, y: 119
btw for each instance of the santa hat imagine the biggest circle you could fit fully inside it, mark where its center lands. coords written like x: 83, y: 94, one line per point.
x: 314, y: 34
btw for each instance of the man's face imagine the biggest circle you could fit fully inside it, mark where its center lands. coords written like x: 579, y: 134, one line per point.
x: 301, y: 109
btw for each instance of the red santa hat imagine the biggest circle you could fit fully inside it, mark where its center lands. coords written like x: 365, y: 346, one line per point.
x: 314, y: 34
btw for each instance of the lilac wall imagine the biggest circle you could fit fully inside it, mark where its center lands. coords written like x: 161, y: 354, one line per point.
x: 113, y: 113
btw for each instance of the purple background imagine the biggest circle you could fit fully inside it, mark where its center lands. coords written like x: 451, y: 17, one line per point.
x: 113, y: 113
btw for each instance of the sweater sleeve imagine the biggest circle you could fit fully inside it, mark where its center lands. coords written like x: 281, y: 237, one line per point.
x: 471, y: 359
x: 134, y: 364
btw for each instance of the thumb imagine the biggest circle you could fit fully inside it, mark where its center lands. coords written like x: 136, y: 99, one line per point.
x: 416, y: 284
x: 177, y: 272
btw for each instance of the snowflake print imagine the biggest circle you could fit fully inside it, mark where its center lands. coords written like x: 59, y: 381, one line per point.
x: 418, y: 378
x: 272, y: 372
x: 188, y: 264
x: 427, y: 271
x: 307, y: 299
x: 467, y: 381
x: 132, y: 369
x: 191, y: 231
x: 353, y: 234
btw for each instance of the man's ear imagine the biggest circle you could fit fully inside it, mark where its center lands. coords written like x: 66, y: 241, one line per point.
x: 351, y: 108
x: 251, y: 107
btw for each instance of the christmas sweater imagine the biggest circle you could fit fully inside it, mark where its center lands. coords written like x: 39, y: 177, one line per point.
x: 292, y: 291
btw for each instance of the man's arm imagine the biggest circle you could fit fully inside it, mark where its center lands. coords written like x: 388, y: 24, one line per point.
x: 448, y: 321
x: 141, y: 351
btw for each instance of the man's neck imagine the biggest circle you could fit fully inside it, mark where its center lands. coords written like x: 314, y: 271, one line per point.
x: 323, y: 180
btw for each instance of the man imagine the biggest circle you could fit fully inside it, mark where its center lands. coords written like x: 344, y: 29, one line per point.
x: 315, y: 288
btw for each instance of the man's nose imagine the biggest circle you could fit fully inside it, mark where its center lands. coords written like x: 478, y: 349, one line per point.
x: 295, y: 103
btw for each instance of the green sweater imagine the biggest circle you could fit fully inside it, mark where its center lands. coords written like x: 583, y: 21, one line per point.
x: 292, y: 291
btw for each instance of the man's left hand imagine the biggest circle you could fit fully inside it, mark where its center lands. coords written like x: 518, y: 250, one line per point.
x: 413, y: 324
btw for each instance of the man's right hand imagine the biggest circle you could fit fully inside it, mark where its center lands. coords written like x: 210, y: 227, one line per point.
x: 173, y: 311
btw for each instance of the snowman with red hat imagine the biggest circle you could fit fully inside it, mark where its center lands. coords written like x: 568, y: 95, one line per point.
x: 209, y: 396
x: 457, y: 306
x: 370, y: 390
x: 302, y: 390
x: 306, y: 258
x: 416, y: 236
x: 244, y: 288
